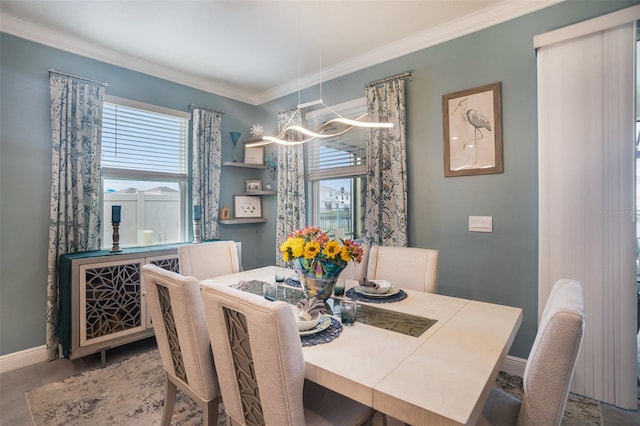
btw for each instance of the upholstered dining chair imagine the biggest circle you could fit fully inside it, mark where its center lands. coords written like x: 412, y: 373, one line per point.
x: 409, y: 268
x: 208, y: 260
x: 261, y: 367
x: 177, y: 314
x: 547, y: 376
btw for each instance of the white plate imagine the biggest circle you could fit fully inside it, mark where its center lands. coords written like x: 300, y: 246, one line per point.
x: 324, y: 323
x: 362, y: 291
x: 384, y: 287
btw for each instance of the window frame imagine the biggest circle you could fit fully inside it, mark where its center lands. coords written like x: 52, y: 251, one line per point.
x: 313, y: 178
x: 110, y: 173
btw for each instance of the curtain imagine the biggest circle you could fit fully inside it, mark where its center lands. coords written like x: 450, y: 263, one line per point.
x: 290, y: 207
x: 75, y: 207
x: 386, y: 198
x: 586, y: 195
x: 207, y: 155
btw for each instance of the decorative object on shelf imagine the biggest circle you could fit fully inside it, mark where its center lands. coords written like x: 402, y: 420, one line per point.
x: 197, y: 216
x: 115, y: 222
x: 235, y: 137
x: 318, y: 259
x: 269, y: 187
x: 254, y: 155
x: 257, y: 131
x: 473, y: 131
x: 224, y: 213
x: 246, y: 206
x: 253, y: 185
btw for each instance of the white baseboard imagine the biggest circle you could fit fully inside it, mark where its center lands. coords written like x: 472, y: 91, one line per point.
x: 514, y: 365
x: 23, y: 358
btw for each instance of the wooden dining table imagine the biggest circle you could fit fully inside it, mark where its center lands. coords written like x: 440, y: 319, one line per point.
x: 442, y: 376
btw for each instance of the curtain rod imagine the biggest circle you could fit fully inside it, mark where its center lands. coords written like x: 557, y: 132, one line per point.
x: 393, y: 77
x: 68, y: 74
x: 192, y: 106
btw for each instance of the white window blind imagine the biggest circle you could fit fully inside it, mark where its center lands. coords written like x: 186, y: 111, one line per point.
x: 343, y: 155
x: 138, y: 139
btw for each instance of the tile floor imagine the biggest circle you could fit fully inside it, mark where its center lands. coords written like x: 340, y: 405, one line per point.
x: 13, y: 384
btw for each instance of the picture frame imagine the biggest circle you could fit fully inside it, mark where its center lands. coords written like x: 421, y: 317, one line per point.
x: 253, y: 185
x: 247, y: 206
x: 254, y: 155
x: 472, y: 128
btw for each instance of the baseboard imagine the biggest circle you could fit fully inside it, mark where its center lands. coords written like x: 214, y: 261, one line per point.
x: 514, y: 365
x: 23, y: 358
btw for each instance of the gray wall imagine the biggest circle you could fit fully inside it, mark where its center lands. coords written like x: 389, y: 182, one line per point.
x: 499, y: 267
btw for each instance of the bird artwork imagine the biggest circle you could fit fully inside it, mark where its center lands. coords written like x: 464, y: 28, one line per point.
x: 477, y: 120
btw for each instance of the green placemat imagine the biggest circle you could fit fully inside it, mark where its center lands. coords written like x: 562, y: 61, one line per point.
x: 411, y: 325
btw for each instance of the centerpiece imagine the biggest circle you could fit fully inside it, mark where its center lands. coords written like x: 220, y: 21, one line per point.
x: 318, y: 259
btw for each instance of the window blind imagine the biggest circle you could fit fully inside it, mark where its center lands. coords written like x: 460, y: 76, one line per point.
x: 137, y: 139
x: 343, y: 155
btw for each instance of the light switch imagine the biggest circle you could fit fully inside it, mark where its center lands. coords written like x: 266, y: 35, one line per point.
x: 481, y: 223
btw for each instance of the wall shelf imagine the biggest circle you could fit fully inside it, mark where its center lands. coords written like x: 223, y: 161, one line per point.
x: 241, y: 221
x: 260, y: 193
x: 244, y: 165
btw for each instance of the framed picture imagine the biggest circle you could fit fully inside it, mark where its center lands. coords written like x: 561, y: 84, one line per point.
x: 254, y: 155
x: 472, y: 126
x: 253, y: 185
x: 247, y: 206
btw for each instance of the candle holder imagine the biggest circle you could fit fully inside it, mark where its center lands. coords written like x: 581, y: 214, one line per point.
x: 196, y: 231
x: 116, y: 237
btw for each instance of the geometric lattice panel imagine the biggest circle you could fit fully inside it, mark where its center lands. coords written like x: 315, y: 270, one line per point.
x: 113, y: 299
x: 238, y: 334
x: 172, y: 332
x: 168, y: 264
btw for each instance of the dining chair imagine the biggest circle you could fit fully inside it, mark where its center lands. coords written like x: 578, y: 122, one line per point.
x: 409, y: 268
x: 208, y: 260
x: 261, y: 368
x: 547, y: 376
x: 177, y: 314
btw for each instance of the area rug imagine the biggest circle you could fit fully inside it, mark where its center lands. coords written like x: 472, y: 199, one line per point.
x: 130, y: 392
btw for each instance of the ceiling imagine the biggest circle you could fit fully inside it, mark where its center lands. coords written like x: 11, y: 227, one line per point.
x: 253, y: 51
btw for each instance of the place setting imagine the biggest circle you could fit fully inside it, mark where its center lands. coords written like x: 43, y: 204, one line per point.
x: 315, y: 324
x: 376, y: 291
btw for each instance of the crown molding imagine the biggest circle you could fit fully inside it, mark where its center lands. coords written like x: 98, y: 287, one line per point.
x: 57, y: 40
x: 471, y: 23
x: 502, y: 12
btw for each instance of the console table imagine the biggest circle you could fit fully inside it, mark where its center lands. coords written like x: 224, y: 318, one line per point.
x: 101, y: 303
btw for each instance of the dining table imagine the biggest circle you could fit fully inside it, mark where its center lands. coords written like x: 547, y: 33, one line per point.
x: 424, y: 359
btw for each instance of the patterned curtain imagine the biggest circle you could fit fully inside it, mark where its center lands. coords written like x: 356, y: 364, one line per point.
x: 207, y: 160
x: 290, y: 207
x: 386, y: 199
x: 75, y: 207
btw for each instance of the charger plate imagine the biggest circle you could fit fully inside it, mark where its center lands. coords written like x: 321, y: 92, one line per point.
x: 362, y: 290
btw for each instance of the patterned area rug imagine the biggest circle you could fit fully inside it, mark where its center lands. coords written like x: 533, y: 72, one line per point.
x: 580, y: 410
x: 131, y: 392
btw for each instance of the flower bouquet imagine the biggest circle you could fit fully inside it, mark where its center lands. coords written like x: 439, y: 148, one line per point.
x: 318, y: 259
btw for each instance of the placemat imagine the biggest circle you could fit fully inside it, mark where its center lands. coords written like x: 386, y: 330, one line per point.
x: 293, y: 282
x: 353, y: 294
x: 324, y: 336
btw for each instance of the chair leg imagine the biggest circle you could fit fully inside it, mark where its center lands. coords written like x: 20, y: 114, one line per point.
x: 210, y: 411
x: 169, y: 401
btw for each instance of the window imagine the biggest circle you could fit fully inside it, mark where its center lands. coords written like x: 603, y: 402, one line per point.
x: 337, y: 170
x: 144, y: 170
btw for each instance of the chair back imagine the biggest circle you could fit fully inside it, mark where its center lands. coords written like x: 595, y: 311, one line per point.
x: 177, y: 314
x: 258, y: 356
x: 208, y: 260
x: 547, y: 376
x: 409, y: 268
